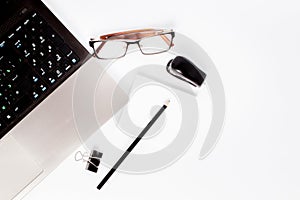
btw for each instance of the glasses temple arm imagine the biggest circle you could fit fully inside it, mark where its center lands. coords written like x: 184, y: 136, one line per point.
x: 138, y: 33
x: 170, y: 43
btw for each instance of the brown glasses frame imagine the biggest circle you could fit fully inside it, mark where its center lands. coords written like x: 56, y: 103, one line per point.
x: 136, y: 36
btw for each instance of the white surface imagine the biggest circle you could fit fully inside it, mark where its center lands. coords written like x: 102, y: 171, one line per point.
x: 255, y: 45
x: 19, y: 171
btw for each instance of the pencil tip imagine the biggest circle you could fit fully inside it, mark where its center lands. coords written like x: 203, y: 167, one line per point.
x: 167, y: 102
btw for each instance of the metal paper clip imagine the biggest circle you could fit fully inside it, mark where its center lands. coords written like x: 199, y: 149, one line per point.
x: 92, y: 160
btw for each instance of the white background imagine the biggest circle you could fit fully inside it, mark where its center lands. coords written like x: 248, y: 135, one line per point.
x: 255, y: 46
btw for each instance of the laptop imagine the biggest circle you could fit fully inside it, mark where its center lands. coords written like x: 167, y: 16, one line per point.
x: 39, y: 62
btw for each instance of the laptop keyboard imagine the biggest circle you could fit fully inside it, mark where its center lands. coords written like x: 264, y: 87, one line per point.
x: 34, y: 60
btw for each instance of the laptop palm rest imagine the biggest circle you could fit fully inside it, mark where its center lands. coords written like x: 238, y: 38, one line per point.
x: 20, y: 171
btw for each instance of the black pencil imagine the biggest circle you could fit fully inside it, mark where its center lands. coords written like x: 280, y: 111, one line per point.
x: 130, y: 148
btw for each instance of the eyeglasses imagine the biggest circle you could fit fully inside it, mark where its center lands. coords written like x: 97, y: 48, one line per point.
x: 149, y: 41
x: 185, y: 70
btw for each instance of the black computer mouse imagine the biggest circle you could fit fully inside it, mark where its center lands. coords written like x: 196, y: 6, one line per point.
x: 185, y: 70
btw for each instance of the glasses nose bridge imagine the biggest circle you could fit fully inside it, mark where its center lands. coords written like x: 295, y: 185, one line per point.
x: 133, y: 42
x: 130, y: 43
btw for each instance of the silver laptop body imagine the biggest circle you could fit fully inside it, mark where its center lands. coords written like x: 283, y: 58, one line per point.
x: 44, y: 136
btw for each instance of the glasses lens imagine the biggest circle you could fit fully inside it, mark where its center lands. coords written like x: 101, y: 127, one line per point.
x: 156, y: 44
x: 110, y: 49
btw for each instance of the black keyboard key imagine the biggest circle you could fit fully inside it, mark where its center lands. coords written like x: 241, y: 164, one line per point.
x: 50, y: 63
x: 66, y: 50
x: 74, y: 58
x: 19, y: 29
x: 22, y: 104
x: 42, y: 71
x: 26, y: 52
x: 50, y: 79
x: 58, y: 73
x: 18, y: 93
x: 26, y: 23
x: 3, y: 106
x: 35, y: 95
x: 42, y: 54
x: 11, y: 38
x: 58, y: 57
x: 54, y: 37
x: 34, y: 61
x: 19, y: 74
x: 9, y: 117
x: 33, y: 31
x: 35, y: 78
x: 49, y: 47
x: 34, y: 47
x: 67, y: 66
x: 26, y: 85
x: 42, y: 87
x: 41, y: 39
x: 2, y: 49
x: 18, y: 44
